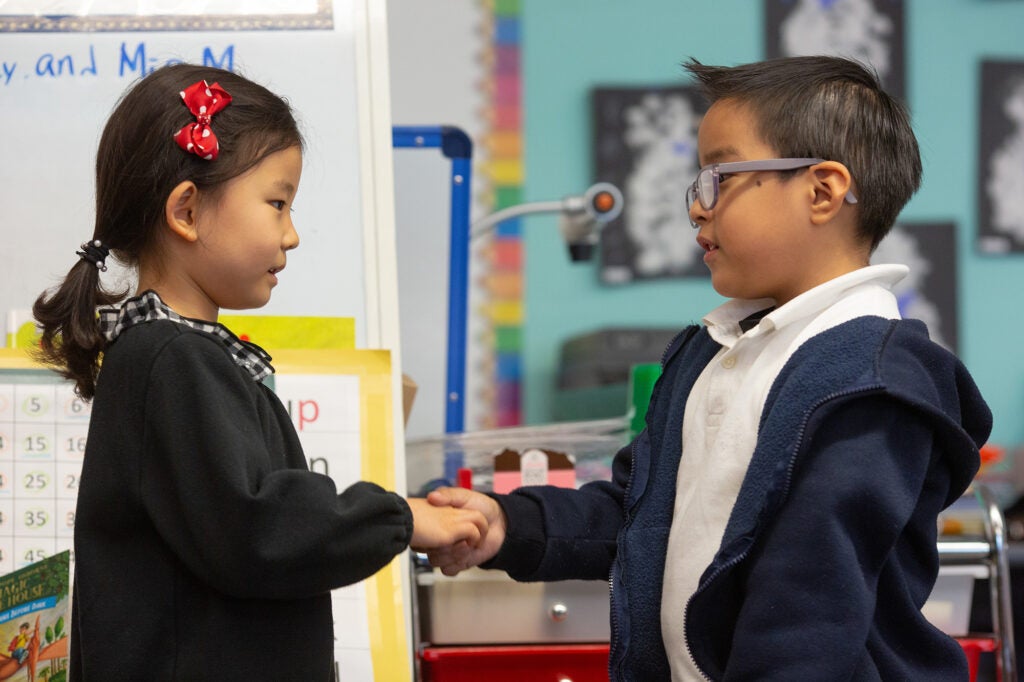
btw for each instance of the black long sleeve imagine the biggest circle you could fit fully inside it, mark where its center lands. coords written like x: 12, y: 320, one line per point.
x: 203, y: 543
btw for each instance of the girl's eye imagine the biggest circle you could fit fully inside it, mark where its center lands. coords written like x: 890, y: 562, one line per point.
x: 279, y: 205
x: 722, y: 177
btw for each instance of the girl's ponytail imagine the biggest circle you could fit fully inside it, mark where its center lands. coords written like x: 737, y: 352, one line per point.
x: 71, y: 340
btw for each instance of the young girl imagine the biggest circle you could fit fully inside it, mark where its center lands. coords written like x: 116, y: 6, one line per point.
x: 204, y: 547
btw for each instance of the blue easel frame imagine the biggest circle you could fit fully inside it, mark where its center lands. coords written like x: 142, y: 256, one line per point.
x: 455, y: 145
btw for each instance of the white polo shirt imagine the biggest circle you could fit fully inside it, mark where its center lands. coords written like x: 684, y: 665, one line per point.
x: 721, y: 421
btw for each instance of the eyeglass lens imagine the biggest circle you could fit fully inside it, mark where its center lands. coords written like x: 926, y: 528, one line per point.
x: 703, y: 190
x: 707, y: 188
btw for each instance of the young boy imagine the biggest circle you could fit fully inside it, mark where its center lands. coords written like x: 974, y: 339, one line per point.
x: 776, y: 520
x: 19, y: 645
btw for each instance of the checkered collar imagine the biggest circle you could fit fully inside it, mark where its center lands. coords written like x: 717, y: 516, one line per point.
x: 147, y: 307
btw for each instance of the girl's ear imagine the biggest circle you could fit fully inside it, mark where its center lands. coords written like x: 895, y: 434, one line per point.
x: 181, y: 209
x: 832, y: 181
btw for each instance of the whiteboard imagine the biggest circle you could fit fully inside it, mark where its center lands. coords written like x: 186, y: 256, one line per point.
x: 59, y: 80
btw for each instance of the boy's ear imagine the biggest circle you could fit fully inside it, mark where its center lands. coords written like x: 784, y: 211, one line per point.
x: 181, y: 209
x: 831, y: 181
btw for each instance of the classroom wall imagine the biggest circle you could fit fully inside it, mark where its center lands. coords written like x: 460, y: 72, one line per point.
x: 573, y: 45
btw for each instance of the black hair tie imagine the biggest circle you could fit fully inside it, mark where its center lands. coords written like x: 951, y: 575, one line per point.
x: 95, y: 253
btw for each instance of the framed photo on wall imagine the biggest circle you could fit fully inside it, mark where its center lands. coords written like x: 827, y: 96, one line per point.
x: 870, y: 31
x: 928, y: 293
x: 1001, y: 158
x: 645, y: 142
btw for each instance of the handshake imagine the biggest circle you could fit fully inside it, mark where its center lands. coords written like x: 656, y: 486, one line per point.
x: 456, y: 528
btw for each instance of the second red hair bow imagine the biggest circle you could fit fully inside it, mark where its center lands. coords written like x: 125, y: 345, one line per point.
x: 203, y: 101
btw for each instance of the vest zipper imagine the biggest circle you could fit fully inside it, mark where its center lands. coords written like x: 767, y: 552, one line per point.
x: 688, y: 332
x: 614, y: 624
x: 787, y: 482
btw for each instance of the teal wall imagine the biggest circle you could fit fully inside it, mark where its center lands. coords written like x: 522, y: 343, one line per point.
x: 570, y: 46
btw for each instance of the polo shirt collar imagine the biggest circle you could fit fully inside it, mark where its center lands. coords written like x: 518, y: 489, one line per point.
x: 724, y: 321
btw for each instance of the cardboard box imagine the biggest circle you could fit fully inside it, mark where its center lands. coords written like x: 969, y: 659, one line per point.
x: 409, y: 388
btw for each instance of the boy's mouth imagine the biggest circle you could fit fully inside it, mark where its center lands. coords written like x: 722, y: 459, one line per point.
x: 706, y: 244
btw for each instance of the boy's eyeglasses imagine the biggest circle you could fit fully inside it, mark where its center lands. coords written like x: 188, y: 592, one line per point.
x: 705, y: 188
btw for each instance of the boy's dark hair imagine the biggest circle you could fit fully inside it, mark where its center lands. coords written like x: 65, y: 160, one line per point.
x: 830, y: 108
x: 138, y: 163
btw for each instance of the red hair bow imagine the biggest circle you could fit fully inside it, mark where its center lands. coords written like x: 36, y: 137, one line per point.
x: 203, y: 101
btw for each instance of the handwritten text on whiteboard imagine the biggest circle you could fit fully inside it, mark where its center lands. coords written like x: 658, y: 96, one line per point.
x: 130, y: 60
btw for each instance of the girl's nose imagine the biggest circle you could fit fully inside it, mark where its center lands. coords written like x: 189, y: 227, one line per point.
x: 291, y: 237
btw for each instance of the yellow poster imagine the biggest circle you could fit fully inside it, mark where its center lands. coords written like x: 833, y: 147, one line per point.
x: 341, y: 405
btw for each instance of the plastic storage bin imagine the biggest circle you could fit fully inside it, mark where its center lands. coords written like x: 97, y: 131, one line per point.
x: 949, y: 605
x: 436, y: 460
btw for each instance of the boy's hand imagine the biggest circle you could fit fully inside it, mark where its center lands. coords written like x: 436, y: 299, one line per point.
x: 435, y: 526
x: 460, y: 556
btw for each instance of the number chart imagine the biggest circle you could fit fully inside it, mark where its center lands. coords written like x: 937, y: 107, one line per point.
x: 43, y: 427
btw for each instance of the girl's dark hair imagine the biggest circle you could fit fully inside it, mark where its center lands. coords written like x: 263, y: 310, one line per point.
x: 138, y: 163
x: 830, y: 108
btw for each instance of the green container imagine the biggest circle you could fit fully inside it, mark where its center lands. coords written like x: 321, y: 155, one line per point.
x: 641, y: 383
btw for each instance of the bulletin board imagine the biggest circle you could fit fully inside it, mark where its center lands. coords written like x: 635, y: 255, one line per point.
x: 1001, y: 157
x: 871, y: 31
x: 929, y: 291
x: 645, y: 142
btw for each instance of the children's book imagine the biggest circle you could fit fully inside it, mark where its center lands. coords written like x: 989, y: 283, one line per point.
x: 34, y: 621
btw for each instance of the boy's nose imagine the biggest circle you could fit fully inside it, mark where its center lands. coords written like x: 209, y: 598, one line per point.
x: 698, y: 214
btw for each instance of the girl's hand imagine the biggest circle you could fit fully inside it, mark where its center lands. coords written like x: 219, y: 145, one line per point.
x: 435, y: 526
x: 455, y: 558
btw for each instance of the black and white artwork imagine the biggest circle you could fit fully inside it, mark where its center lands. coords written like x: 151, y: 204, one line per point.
x: 870, y: 31
x: 645, y: 142
x: 928, y: 293
x: 1001, y: 158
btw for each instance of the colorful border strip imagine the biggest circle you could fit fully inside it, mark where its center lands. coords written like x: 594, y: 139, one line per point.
x: 504, y: 170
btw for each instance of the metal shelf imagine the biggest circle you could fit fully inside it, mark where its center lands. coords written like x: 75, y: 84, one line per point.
x: 990, y: 552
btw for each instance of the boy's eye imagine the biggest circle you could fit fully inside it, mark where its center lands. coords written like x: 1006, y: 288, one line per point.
x: 722, y: 177
x: 279, y: 205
